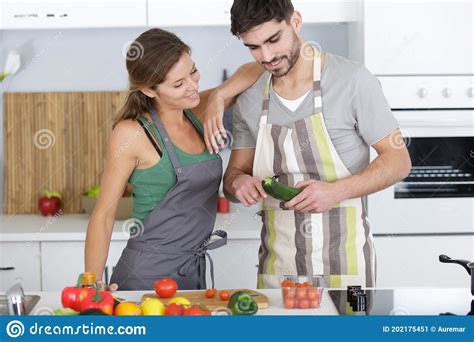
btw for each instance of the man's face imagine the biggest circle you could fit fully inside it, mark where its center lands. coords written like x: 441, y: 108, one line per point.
x: 274, y: 45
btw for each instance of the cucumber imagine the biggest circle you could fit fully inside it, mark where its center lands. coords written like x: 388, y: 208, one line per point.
x: 279, y: 190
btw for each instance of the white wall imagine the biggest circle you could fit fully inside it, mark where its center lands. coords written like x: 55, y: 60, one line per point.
x: 92, y: 60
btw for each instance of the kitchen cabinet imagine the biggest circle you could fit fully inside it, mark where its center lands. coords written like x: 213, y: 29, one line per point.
x: 417, y: 37
x: 412, y: 261
x: 235, y: 265
x: 24, y: 259
x: 217, y: 12
x: 189, y: 12
x: 55, y: 14
x: 326, y: 11
x: 62, y: 262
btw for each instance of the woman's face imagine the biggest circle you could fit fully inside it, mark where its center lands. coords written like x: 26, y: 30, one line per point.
x: 180, y: 88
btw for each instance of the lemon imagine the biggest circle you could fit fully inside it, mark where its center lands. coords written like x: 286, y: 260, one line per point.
x: 180, y: 300
x: 153, y: 307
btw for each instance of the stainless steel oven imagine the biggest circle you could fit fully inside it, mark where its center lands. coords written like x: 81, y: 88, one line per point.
x: 436, y: 116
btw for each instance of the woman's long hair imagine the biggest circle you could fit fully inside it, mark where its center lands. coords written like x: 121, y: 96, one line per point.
x: 148, y: 60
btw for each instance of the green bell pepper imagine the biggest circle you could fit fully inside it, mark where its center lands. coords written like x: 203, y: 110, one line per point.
x: 241, y: 303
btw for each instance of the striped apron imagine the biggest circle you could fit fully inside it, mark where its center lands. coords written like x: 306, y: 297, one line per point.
x: 337, y: 244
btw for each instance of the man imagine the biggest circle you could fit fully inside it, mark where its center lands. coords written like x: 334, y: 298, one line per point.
x: 310, y: 119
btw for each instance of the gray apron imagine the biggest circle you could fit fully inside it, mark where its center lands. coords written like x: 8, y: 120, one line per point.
x: 175, y: 237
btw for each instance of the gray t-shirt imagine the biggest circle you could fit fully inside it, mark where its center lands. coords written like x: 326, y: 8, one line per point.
x: 355, y: 110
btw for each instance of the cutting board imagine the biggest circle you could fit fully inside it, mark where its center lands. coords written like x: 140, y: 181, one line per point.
x: 199, y: 297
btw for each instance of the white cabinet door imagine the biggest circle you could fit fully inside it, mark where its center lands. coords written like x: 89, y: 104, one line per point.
x: 20, y: 262
x: 418, y: 37
x: 62, y: 262
x: 326, y: 11
x: 22, y: 14
x: 217, y: 12
x: 189, y: 12
x: 235, y: 265
x: 412, y: 261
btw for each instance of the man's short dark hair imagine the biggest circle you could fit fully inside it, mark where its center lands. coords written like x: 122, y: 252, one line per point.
x: 247, y: 14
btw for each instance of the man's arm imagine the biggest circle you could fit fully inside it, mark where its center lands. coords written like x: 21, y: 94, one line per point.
x: 221, y: 98
x: 239, y: 184
x: 391, y: 165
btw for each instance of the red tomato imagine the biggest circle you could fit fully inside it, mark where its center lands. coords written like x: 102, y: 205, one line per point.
x: 289, y: 303
x: 224, y: 295
x: 166, y: 287
x: 196, y: 310
x: 211, y: 293
x: 291, y: 292
x: 301, y: 292
x: 174, y: 309
x: 314, y: 303
x: 303, y: 303
x: 287, y: 283
x: 313, y: 293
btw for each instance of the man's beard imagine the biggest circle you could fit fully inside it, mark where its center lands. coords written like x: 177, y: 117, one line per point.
x: 292, y: 59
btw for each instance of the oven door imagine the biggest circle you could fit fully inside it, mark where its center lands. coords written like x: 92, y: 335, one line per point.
x: 437, y: 197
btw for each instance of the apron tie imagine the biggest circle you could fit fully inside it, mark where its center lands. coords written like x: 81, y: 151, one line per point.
x: 197, y: 257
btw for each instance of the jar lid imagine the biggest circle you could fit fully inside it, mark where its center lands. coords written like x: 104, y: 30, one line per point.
x: 88, y: 278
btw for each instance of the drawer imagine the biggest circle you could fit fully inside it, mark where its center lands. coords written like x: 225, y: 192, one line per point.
x: 24, y: 259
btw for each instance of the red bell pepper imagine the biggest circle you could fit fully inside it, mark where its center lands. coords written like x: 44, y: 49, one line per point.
x: 72, y: 296
x: 101, y: 300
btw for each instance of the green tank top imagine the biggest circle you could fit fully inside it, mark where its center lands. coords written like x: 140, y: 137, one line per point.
x: 152, y: 184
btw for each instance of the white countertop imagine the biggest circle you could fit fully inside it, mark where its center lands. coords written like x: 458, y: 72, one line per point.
x: 52, y: 300
x: 240, y: 224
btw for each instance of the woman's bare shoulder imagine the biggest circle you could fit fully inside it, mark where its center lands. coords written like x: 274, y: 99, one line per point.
x: 126, y: 136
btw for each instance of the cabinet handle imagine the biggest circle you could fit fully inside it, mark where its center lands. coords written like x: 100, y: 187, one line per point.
x: 9, y: 268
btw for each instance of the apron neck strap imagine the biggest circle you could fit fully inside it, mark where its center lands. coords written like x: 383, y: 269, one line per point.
x: 316, y: 84
x: 166, y: 140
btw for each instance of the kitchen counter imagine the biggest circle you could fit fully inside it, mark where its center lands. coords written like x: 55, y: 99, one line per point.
x: 72, y: 227
x: 382, y: 301
x: 52, y: 300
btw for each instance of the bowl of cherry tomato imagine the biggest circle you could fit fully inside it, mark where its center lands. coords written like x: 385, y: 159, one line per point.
x: 301, y: 292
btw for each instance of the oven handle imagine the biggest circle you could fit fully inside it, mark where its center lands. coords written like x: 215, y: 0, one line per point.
x: 439, y: 122
x: 435, y: 118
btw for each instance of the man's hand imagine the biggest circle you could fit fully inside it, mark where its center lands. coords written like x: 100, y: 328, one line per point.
x: 248, y: 190
x: 317, y: 197
x: 214, y: 131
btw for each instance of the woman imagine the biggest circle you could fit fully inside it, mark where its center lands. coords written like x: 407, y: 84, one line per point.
x: 175, y: 179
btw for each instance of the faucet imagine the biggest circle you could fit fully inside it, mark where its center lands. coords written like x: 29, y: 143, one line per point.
x: 16, y: 300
